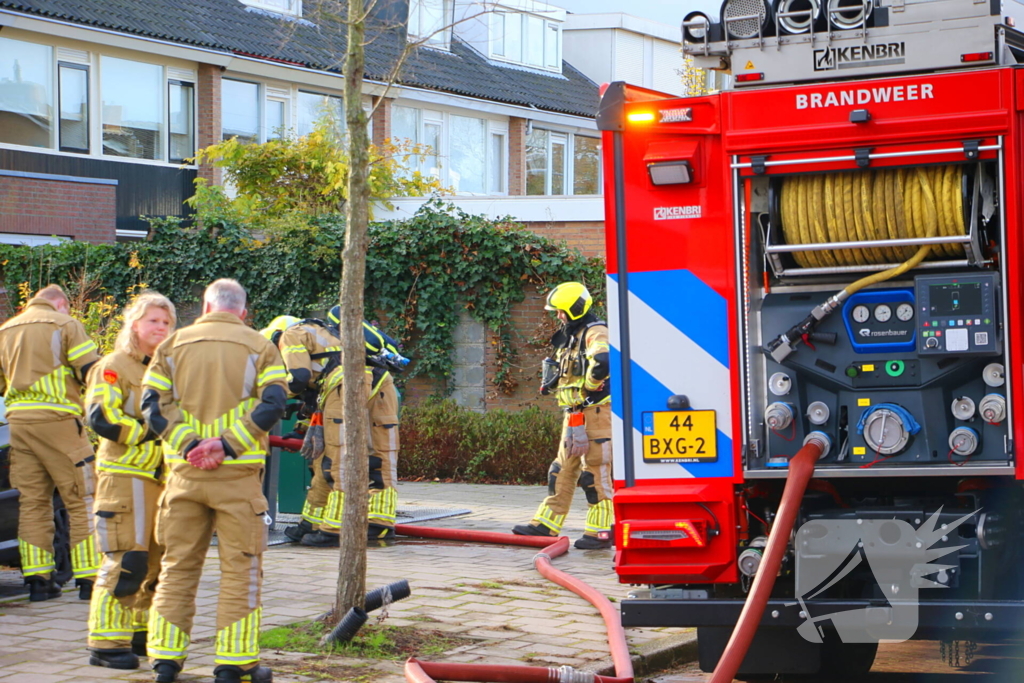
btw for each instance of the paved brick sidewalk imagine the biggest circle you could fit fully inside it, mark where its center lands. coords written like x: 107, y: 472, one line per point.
x: 489, y: 593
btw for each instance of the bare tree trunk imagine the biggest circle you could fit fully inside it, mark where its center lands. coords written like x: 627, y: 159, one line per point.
x: 355, y: 466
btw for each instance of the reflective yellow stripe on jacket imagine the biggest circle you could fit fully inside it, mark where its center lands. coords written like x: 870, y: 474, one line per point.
x: 48, y: 393
x: 229, y: 421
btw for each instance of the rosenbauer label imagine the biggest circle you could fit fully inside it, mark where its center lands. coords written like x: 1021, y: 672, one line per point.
x: 846, y: 97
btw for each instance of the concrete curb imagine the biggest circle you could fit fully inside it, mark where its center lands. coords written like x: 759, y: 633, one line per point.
x: 658, y: 655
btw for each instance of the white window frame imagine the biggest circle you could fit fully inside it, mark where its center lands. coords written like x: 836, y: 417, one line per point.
x: 442, y: 117
x: 569, y: 140
x: 499, y: 21
x: 265, y: 94
x: 294, y: 8
x: 92, y: 60
x: 441, y: 38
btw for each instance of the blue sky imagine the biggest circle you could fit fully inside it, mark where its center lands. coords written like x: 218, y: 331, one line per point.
x: 666, y: 11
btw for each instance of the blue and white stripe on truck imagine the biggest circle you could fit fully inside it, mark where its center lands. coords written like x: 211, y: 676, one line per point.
x: 679, y: 345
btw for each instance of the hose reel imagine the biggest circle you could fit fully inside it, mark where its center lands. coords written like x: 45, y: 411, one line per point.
x: 872, y: 208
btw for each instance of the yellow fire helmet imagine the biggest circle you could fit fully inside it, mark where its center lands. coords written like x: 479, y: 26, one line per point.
x: 570, y: 297
x: 278, y: 325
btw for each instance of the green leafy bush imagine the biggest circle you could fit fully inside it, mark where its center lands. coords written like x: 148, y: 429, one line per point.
x: 442, y: 440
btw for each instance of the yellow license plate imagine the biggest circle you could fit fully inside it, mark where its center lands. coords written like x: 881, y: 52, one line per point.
x: 680, y: 436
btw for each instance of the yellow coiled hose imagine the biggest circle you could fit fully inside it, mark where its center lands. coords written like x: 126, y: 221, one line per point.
x: 873, y: 205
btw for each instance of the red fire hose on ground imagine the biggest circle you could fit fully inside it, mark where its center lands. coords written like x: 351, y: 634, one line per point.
x: 426, y: 672
x: 801, y: 467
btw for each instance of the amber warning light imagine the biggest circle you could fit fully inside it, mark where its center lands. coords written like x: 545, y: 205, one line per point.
x: 663, y: 533
x: 640, y: 117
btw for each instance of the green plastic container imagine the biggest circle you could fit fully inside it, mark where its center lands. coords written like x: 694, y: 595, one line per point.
x: 294, y: 477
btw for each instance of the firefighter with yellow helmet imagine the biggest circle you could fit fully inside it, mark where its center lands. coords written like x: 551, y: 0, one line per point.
x: 382, y: 408
x: 578, y: 375
x: 307, y: 347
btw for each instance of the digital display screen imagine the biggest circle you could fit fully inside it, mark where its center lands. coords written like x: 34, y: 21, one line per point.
x: 952, y: 299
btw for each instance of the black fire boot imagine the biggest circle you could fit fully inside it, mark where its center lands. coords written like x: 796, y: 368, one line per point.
x: 84, y: 588
x: 532, y: 530
x: 229, y: 673
x: 379, y: 532
x: 166, y: 670
x: 321, y: 539
x: 42, y: 588
x: 114, y: 659
x: 295, y: 533
x: 139, y: 643
x: 600, y: 542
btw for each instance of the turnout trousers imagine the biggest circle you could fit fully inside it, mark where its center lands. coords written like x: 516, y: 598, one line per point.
x: 189, y: 511
x: 125, y: 519
x: 383, y: 474
x: 316, y: 497
x: 47, y: 456
x: 592, y: 473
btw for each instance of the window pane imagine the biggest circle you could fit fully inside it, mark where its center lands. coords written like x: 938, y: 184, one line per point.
x: 496, y: 164
x: 26, y: 93
x: 74, y: 108
x: 551, y: 46
x: 537, y: 162
x: 586, y: 166
x: 432, y: 138
x: 467, y: 154
x: 432, y: 20
x: 405, y: 123
x: 182, y: 141
x: 133, y: 108
x: 240, y: 115
x: 534, y: 41
x: 498, y: 33
x: 558, y: 160
x: 514, y: 37
x: 275, y: 119
x: 313, y: 106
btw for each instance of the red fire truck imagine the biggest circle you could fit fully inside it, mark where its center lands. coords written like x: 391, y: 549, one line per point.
x: 815, y: 286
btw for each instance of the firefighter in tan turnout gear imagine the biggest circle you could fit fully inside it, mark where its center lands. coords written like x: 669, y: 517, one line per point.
x: 306, y: 347
x: 45, y: 355
x: 382, y: 411
x: 129, y: 479
x: 213, y: 391
x: 578, y: 375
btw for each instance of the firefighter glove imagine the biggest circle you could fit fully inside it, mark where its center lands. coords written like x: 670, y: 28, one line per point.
x: 313, y: 443
x: 576, y: 441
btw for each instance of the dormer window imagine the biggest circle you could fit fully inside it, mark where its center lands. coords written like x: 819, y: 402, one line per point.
x: 431, y: 21
x: 292, y: 8
x: 526, y: 38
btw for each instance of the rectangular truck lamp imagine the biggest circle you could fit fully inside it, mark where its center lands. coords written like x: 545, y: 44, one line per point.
x: 670, y: 172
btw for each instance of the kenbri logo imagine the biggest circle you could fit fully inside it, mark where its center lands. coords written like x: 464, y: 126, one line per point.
x: 859, y: 55
x: 844, y: 98
x: 676, y: 213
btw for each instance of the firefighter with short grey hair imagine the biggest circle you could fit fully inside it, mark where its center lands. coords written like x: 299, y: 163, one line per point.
x: 578, y: 375
x: 213, y: 392
x: 129, y: 480
x: 45, y: 355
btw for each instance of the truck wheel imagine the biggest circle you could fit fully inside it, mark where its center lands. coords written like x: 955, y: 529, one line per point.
x: 847, y: 660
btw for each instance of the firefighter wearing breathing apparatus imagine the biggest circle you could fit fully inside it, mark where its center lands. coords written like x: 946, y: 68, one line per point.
x: 129, y: 471
x: 307, y: 347
x: 382, y: 412
x: 578, y: 375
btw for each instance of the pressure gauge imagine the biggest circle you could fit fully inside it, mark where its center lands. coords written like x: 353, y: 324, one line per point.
x: 883, y: 313
x: 905, y: 312
x: 861, y: 314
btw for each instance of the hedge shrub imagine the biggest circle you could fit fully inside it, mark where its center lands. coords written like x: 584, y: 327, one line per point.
x: 441, y: 440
